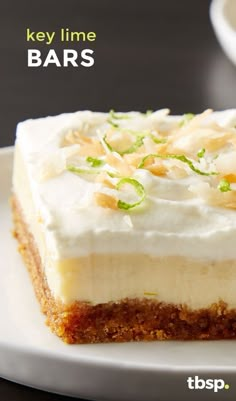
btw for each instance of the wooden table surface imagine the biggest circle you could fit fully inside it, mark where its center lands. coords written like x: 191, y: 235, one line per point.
x: 148, y: 55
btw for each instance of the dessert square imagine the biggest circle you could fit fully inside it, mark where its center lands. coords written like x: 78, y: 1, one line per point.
x: 126, y: 223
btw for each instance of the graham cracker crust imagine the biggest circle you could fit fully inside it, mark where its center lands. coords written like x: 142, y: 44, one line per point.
x: 127, y: 320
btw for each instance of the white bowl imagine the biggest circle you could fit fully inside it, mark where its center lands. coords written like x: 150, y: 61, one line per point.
x: 223, y: 18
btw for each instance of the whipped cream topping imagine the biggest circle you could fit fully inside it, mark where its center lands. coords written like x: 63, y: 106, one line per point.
x: 184, y: 213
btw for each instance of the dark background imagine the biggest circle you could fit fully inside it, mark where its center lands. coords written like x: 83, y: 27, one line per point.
x: 148, y: 55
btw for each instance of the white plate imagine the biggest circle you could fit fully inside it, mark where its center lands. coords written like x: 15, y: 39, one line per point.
x: 32, y: 355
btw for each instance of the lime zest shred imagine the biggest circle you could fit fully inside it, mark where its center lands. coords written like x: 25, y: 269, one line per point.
x: 94, y: 161
x: 113, y: 175
x: 182, y: 158
x: 224, y: 185
x: 78, y: 170
x: 157, y: 140
x: 186, y: 119
x: 201, y: 153
x: 140, y: 135
x: 115, y: 116
x: 148, y: 113
x: 138, y: 188
x: 138, y: 142
x: 114, y: 125
x: 106, y: 143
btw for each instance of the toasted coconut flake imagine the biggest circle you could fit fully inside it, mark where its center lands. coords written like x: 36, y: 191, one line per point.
x: 206, y: 138
x: 73, y: 137
x: 149, y: 161
x: 149, y: 145
x: 216, y: 141
x: 158, y: 169
x: 228, y: 199
x: 163, y: 148
x: 89, y: 146
x: 134, y: 159
x: 177, y: 172
x: 120, y: 164
x: 196, y: 121
x: 213, y: 196
x: 103, y: 178
x: 125, y: 148
x: 185, y: 130
x: 93, y: 150
x: 120, y: 141
x: 226, y: 163
x: 231, y: 178
x: 106, y: 201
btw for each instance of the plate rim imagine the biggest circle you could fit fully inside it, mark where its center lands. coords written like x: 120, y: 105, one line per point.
x: 88, y: 360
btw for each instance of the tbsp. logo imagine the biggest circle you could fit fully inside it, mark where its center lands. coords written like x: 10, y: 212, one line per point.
x: 196, y: 383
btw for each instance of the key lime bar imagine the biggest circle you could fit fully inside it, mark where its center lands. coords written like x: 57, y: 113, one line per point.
x: 127, y: 223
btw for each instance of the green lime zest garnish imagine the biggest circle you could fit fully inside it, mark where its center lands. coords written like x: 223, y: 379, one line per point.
x: 115, y: 116
x: 182, y: 158
x: 140, y: 135
x: 157, y: 140
x: 94, y: 161
x: 78, y: 170
x: 114, y: 125
x: 224, y: 185
x: 148, y: 113
x: 113, y: 175
x: 138, y: 188
x: 201, y: 153
x: 186, y: 118
x: 107, y: 144
x: 138, y: 142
